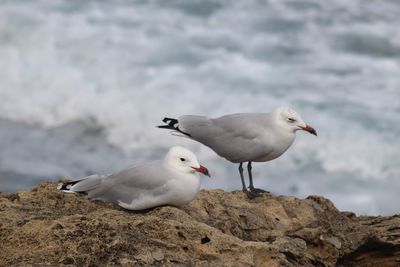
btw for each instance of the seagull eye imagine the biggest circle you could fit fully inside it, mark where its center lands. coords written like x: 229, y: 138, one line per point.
x: 291, y: 120
x: 182, y: 159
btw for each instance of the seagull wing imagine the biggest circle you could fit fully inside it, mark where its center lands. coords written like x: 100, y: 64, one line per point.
x: 141, y: 180
x: 236, y: 137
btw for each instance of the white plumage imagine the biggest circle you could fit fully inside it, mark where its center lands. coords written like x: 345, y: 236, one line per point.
x: 243, y: 137
x: 171, y: 181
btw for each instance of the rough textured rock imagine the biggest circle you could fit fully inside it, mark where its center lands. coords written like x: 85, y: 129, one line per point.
x: 44, y: 226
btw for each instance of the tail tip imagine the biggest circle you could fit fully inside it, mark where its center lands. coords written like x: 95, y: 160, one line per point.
x: 63, y: 187
x: 59, y: 186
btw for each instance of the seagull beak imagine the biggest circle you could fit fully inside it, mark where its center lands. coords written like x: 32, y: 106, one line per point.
x: 309, y: 129
x: 202, y: 169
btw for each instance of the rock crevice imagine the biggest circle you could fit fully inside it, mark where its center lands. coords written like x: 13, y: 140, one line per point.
x: 44, y: 226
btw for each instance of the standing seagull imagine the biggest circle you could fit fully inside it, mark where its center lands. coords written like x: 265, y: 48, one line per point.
x: 171, y: 181
x: 243, y: 137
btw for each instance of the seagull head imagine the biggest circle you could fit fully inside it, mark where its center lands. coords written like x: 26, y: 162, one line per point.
x: 291, y: 120
x: 184, y: 160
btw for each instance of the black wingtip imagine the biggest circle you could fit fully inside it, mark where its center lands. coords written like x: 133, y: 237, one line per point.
x: 172, y: 124
x: 66, y: 186
x: 61, y: 186
x: 164, y: 127
x: 169, y: 119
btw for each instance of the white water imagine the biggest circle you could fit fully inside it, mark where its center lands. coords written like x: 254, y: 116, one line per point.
x: 82, y: 85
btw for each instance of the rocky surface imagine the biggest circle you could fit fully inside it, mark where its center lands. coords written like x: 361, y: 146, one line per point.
x: 44, y: 226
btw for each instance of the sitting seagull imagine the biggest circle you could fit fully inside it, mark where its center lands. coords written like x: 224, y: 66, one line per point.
x: 171, y: 181
x: 243, y: 137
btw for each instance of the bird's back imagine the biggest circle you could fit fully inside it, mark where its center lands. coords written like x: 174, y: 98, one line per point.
x: 237, y: 137
x: 129, y: 184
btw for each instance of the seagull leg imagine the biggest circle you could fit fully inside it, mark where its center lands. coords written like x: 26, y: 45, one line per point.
x: 249, y: 194
x: 244, y: 189
x: 254, y: 190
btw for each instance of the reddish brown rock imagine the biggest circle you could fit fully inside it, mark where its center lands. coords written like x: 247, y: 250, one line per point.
x: 44, y: 226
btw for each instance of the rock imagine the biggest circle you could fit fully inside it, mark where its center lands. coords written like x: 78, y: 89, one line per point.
x: 44, y: 226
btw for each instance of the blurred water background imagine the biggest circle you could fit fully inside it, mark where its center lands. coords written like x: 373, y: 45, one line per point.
x: 83, y: 83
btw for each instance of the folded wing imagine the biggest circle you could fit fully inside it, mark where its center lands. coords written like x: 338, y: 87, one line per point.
x: 125, y: 186
x: 236, y: 137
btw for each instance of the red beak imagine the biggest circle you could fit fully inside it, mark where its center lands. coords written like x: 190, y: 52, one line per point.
x: 203, y: 170
x: 309, y: 129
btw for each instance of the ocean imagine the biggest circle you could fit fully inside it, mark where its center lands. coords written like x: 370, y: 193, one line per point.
x: 84, y: 83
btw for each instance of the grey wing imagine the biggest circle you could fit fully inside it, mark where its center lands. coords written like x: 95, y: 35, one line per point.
x: 236, y: 137
x: 129, y: 184
x: 88, y: 183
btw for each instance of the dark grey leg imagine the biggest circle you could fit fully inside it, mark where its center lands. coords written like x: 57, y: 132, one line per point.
x: 251, y: 187
x: 250, y: 175
x: 244, y: 188
x: 249, y: 194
